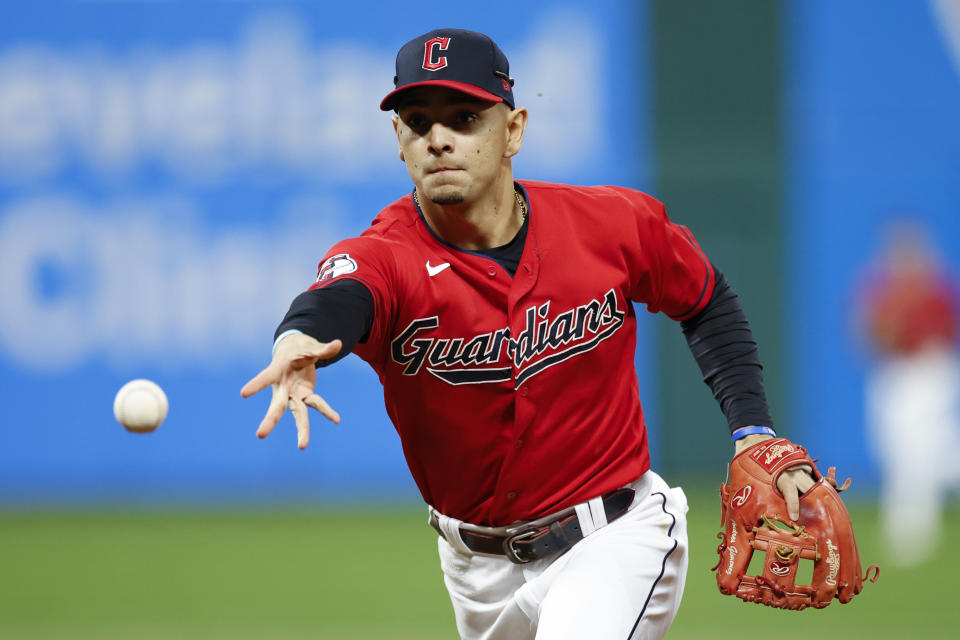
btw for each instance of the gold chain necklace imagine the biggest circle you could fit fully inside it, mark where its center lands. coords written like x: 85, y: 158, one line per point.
x: 516, y: 194
x: 523, y: 205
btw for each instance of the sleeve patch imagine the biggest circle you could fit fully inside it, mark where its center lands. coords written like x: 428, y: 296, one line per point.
x: 336, y: 266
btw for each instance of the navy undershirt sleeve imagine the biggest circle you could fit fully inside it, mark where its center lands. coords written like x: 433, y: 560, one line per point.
x: 343, y: 309
x: 726, y: 351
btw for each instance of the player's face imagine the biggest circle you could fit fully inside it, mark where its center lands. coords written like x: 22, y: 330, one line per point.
x: 456, y: 146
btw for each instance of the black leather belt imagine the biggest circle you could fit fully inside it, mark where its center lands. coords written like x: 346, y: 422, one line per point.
x: 535, y: 541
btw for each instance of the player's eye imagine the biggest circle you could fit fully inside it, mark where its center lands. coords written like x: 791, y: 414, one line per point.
x: 416, y: 121
x: 465, y: 117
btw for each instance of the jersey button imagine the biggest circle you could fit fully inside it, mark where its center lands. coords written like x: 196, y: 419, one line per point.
x: 512, y: 495
x: 523, y: 392
x: 492, y: 271
x: 518, y: 444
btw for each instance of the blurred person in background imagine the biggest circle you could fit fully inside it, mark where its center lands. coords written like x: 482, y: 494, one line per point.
x: 909, y: 315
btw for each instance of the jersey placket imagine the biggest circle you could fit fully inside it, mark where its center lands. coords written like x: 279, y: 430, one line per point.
x: 525, y: 408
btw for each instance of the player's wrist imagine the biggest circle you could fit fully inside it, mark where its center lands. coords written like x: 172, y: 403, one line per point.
x: 285, y: 334
x: 749, y: 436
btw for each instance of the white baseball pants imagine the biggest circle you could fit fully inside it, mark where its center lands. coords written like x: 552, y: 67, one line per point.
x: 913, y: 409
x: 622, y: 582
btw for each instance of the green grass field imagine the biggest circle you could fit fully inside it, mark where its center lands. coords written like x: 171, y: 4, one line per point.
x: 362, y: 575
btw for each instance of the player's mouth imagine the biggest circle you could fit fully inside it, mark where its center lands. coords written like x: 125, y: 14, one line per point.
x: 443, y: 169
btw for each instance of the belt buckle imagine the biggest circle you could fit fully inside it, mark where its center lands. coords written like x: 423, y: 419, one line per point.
x: 509, y: 550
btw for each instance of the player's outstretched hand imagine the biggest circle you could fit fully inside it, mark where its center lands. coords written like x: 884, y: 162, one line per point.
x: 292, y: 374
x: 792, y: 483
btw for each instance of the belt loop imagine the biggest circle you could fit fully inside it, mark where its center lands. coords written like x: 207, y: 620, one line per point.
x: 450, y: 527
x: 586, y: 520
x: 598, y: 512
x: 592, y: 515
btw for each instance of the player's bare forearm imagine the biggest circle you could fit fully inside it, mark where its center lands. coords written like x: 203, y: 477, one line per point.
x: 292, y: 376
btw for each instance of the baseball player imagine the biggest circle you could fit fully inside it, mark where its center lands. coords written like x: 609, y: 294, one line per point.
x: 497, y: 314
x: 910, y: 313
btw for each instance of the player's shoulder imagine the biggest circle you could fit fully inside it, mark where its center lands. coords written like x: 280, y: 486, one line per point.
x: 611, y: 195
x: 388, y: 237
x: 397, y: 219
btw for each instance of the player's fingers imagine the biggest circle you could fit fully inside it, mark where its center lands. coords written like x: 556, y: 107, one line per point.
x: 805, y: 483
x: 278, y: 404
x: 322, y: 351
x: 792, y: 484
x: 793, y: 504
x: 260, y: 381
x: 318, y: 403
x: 299, y: 411
x: 330, y: 349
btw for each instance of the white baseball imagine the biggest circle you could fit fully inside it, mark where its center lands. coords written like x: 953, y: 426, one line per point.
x: 140, y: 406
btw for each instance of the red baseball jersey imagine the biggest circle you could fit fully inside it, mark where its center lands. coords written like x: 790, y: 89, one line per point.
x: 911, y: 311
x: 517, y: 396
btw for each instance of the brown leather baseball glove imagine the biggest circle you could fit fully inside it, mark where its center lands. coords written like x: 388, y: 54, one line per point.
x: 755, y: 519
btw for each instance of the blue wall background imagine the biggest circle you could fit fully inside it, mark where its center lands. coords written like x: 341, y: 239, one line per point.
x: 872, y: 95
x: 170, y: 174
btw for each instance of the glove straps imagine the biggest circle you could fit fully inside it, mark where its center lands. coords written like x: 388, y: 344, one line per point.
x: 779, y: 454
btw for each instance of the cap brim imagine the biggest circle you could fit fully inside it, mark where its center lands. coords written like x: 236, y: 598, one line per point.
x: 390, y: 102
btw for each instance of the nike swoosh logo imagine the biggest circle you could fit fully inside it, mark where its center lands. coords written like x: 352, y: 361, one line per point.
x: 432, y: 271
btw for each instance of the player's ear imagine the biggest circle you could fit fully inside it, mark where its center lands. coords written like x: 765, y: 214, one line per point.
x: 396, y: 129
x: 516, y: 126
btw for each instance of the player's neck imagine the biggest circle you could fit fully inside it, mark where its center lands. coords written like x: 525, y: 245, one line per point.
x: 491, y: 221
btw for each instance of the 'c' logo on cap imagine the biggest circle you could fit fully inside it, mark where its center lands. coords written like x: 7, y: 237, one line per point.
x: 428, y: 49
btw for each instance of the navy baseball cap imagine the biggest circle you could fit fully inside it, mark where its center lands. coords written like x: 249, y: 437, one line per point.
x: 456, y: 58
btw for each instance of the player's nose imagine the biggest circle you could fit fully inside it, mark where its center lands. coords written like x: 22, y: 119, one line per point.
x: 439, y: 139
